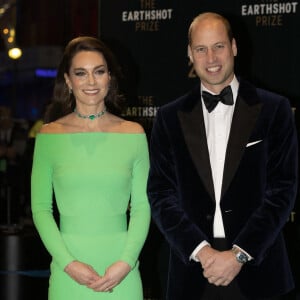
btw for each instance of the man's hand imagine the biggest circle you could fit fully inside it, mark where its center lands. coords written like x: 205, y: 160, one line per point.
x: 205, y: 254
x: 221, y: 268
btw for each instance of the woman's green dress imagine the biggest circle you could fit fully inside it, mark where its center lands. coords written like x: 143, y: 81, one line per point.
x: 99, y: 181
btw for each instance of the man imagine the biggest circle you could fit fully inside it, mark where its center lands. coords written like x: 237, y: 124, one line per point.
x: 222, y: 181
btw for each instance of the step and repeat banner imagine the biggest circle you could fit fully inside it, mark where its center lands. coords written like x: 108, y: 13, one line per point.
x: 149, y: 39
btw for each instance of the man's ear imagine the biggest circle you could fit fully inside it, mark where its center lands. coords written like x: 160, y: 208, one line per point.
x: 189, y: 52
x: 234, y: 47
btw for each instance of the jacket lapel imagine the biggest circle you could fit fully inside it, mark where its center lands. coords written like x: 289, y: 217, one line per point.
x: 244, y: 119
x: 246, y: 113
x: 193, y: 127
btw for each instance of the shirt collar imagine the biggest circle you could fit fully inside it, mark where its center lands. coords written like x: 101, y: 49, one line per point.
x: 234, y: 87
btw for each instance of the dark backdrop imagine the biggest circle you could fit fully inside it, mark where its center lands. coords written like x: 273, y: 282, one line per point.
x: 149, y: 38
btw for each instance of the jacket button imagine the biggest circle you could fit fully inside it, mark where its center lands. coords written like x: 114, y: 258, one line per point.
x: 208, y: 217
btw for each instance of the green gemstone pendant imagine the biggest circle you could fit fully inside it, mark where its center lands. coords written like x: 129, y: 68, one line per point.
x: 91, y: 117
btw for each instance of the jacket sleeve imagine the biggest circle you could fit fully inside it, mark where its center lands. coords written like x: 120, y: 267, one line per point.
x: 280, y: 187
x: 164, y: 195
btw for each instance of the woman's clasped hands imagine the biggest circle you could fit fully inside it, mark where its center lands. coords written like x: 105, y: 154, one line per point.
x: 84, y: 274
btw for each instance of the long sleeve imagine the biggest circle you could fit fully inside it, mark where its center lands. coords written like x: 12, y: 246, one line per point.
x: 268, y: 219
x: 42, y: 205
x: 164, y: 193
x: 139, y: 206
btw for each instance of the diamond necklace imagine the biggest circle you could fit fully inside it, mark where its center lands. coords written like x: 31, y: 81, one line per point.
x: 91, y: 117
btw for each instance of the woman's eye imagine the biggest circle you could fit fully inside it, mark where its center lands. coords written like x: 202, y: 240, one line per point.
x: 100, y: 72
x: 80, y: 73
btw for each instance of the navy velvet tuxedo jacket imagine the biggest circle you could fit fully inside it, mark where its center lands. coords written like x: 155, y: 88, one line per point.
x: 258, y: 190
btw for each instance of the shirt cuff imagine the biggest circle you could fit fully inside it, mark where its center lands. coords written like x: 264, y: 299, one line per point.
x: 198, y: 248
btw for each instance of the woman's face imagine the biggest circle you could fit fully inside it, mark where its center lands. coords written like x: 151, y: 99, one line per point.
x: 88, y: 78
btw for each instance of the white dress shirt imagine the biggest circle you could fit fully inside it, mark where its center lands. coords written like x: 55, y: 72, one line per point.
x: 217, y: 127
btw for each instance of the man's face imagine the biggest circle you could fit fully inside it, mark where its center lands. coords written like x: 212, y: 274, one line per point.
x: 212, y: 53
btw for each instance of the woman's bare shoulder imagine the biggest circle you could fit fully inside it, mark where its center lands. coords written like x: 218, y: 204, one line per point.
x: 57, y: 126
x: 132, y: 127
x: 52, y: 127
x: 124, y: 126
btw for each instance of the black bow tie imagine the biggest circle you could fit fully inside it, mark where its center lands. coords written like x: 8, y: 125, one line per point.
x: 211, y: 101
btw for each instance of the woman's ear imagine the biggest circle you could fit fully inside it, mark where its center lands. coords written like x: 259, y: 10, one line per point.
x: 68, y: 83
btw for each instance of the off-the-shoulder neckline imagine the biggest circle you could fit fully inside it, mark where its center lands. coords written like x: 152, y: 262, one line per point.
x: 91, y: 132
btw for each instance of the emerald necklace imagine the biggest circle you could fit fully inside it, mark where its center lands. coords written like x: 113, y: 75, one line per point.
x: 91, y: 117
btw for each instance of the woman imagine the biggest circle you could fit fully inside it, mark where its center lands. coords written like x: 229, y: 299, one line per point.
x: 97, y: 164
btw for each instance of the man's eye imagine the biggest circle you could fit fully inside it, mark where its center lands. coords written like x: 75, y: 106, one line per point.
x: 200, y: 50
x: 219, y: 46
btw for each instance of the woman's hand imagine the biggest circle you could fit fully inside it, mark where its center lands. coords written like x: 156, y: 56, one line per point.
x: 82, y: 273
x: 114, y: 274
